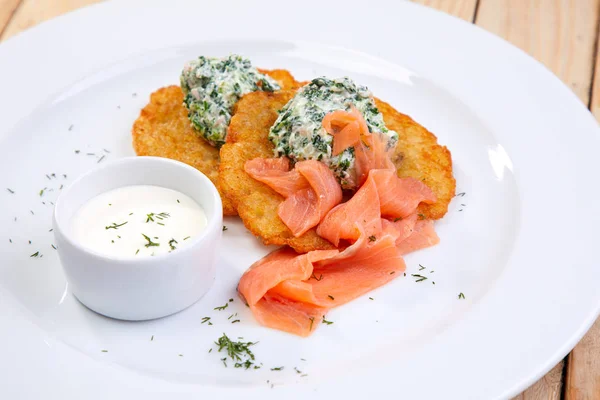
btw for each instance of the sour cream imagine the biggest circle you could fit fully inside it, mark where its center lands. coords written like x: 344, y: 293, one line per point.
x: 138, y: 221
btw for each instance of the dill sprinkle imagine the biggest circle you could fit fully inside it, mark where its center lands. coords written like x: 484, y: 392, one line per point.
x: 150, y: 242
x: 277, y: 369
x: 105, y: 351
x: 152, y: 338
x: 10, y: 191
x: 178, y: 201
x: 372, y: 238
x: 421, y: 268
x: 136, y: 253
x: 77, y: 151
x: 53, y: 246
x: 106, y: 151
x: 392, y: 273
x: 461, y: 194
x: 419, y: 277
x: 370, y: 298
x: 114, y: 225
x: 186, y: 238
x: 331, y: 297
x: 235, y: 320
x: 224, y: 228
x: 461, y: 295
x: 327, y: 322
x: 231, y: 300
x: 312, y: 321
x: 71, y: 128
x: 221, y: 308
x: 205, y: 319
x: 101, y: 158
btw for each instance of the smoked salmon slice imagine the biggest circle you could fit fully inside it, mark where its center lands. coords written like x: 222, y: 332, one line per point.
x: 372, y: 230
x: 311, y: 190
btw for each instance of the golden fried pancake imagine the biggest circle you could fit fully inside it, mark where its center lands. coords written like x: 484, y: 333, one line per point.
x: 417, y: 155
x: 163, y: 130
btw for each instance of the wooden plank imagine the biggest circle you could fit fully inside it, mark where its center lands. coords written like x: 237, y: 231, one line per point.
x: 463, y: 9
x: 583, y: 367
x: 559, y: 33
x: 547, y: 388
x: 7, y: 9
x: 33, y: 12
x: 595, y: 100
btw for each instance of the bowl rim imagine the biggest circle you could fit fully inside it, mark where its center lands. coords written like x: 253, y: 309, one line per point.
x: 212, y: 218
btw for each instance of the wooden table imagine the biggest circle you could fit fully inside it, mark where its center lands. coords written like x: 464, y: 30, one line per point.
x: 562, y: 34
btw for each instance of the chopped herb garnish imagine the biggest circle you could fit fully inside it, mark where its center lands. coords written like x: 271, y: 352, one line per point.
x: 221, y: 308
x: 150, y: 242
x: 315, y: 277
x: 397, y: 219
x: 178, y: 201
x: 71, y: 127
x: 160, y: 223
x: 31, y: 211
x: 205, y: 319
x: 186, y: 238
x: 53, y: 246
x: 136, y: 253
x: 392, y: 273
x: 235, y: 320
x: 210, y: 350
x: 65, y: 176
x: 235, y: 350
x: 29, y: 241
x: 224, y: 228
x: 370, y: 298
x: 421, y: 268
x: 461, y: 295
x: 327, y: 322
x: 105, y: 351
x: 331, y: 297
x: 312, y: 321
x: 419, y: 277
x: 106, y: 151
x: 181, y: 355
x: 61, y: 187
x: 36, y: 254
x: 48, y: 176
x: 277, y: 369
x: 224, y: 360
x: 114, y: 225
x: 172, y: 244
x: 297, y: 370
x: 421, y: 216
x: 101, y: 158
x: 130, y: 214
x: 460, y: 194
x: 372, y: 238
x: 91, y: 154
x: 77, y: 151
x: 231, y: 300
x: 10, y: 190
x: 10, y: 240
x: 152, y: 338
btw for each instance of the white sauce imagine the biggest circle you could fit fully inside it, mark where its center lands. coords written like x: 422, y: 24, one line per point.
x: 114, y: 223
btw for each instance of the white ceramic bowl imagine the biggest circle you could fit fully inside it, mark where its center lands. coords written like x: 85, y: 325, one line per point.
x: 146, y: 287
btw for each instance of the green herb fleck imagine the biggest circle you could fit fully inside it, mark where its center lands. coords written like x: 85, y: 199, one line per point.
x: 186, y: 238
x: 421, y: 268
x: 115, y: 225
x: 235, y: 320
x: 372, y: 238
x: 10, y: 191
x: 327, y: 322
x: 224, y: 228
x: 152, y: 338
x: 205, y: 319
x: 105, y: 351
x: 331, y: 297
x: 370, y: 298
x: 277, y: 369
x: 36, y: 254
x: 172, y: 243
x: 221, y: 308
x: 419, y: 277
x: 461, y: 295
x: 150, y: 242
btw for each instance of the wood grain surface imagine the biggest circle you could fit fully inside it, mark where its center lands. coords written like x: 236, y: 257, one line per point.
x: 561, y: 34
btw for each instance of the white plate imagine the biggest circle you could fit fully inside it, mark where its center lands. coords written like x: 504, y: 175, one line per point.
x: 522, y: 249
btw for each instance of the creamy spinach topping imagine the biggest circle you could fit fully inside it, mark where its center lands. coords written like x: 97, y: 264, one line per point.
x: 298, y: 132
x: 212, y: 86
